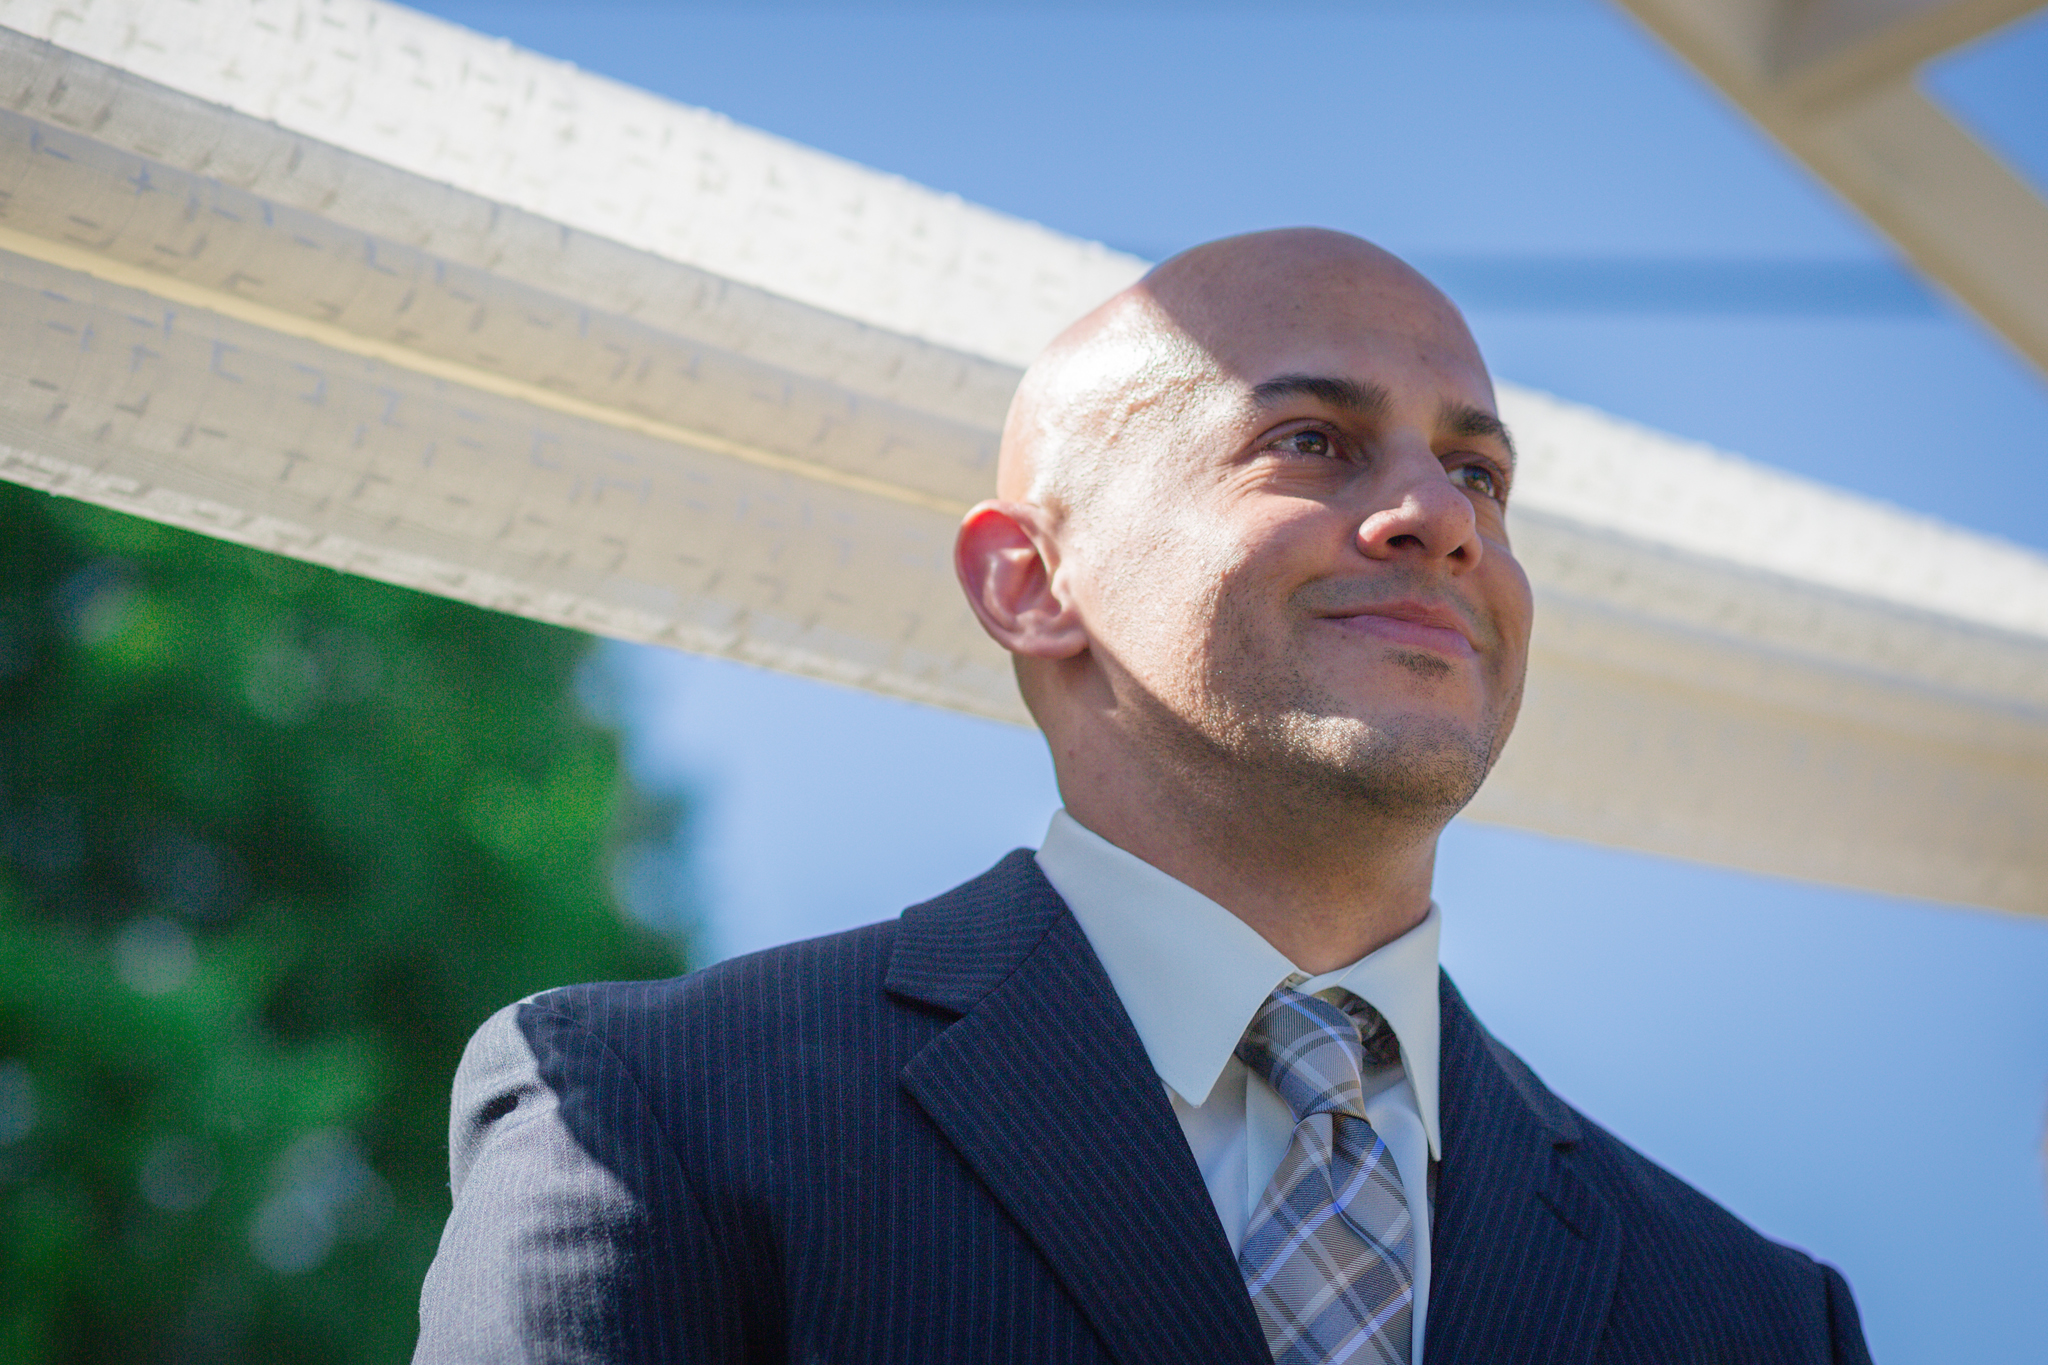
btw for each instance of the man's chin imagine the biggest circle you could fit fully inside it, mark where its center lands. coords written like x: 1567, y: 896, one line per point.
x: 1419, y: 767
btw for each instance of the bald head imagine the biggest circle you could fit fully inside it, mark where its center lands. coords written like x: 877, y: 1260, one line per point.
x: 1146, y: 360
x: 1250, y: 557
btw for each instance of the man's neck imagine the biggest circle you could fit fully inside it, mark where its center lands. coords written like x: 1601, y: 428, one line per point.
x: 1325, y: 887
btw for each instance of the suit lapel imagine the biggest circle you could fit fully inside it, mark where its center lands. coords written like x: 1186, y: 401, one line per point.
x: 1044, y: 1088
x: 1525, y: 1253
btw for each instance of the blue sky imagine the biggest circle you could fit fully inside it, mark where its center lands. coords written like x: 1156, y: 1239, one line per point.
x: 1861, y: 1076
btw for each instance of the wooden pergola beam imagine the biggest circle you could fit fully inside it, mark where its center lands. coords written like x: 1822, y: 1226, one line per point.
x: 1834, y: 82
x: 346, y: 283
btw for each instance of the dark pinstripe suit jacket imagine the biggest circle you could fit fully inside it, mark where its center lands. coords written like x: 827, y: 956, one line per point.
x: 939, y: 1140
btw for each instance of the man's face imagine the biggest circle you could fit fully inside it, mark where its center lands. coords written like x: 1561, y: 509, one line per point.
x: 1302, y: 569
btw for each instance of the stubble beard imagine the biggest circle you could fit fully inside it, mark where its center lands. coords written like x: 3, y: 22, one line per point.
x: 1293, y: 737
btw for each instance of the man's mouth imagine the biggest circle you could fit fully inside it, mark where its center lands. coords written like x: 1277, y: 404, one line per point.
x: 1418, y: 625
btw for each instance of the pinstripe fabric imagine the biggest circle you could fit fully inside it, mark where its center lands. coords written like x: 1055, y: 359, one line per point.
x: 938, y: 1140
x: 1555, y: 1242
x: 1329, y: 1255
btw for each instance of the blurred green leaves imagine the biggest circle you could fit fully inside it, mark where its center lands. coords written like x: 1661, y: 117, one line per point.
x: 273, y: 841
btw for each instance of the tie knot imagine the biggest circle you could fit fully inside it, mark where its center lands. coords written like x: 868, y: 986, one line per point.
x: 1312, y: 1052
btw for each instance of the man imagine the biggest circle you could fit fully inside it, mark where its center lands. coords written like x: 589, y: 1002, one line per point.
x: 1186, y: 1085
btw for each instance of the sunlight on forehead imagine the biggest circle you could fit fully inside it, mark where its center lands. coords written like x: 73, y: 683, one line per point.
x: 1088, y: 406
x: 1139, y: 358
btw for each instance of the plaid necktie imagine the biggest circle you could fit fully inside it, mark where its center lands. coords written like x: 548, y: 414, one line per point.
x: 1328, y: 1256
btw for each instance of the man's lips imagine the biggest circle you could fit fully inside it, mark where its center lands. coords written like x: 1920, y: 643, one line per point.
x: 1418, y: 625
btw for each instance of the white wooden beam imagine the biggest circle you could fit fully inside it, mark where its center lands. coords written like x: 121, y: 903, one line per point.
x: 1829, y: 51
x: 1834, y: 82
x: 339, y: 281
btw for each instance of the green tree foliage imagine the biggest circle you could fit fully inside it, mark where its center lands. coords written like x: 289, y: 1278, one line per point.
x: 273, y: 841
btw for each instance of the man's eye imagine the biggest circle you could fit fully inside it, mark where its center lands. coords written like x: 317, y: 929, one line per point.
x: 1313, y: 443
x: 1481, y: 479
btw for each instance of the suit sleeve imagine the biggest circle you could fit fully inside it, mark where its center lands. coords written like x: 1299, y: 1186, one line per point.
x: 574, y: 1235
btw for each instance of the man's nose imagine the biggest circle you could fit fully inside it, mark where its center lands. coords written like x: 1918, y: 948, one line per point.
x: 1422, y: 514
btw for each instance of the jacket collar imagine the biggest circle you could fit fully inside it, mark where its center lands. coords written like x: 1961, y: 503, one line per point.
x: 1192, y: 975
x: 1043, y: 1087
x: 1525, y: 1251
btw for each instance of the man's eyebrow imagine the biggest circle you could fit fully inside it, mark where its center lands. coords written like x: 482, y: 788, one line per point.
x: 1462, y: 419
x: 1367, y: 400
x: 1370, y: 400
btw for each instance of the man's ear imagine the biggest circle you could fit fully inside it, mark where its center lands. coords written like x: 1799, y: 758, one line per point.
x: 1008, y: 562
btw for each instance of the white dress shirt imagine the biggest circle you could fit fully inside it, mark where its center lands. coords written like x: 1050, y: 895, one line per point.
x: 1191, y: 975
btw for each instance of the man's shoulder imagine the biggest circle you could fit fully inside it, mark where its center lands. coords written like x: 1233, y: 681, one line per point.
x: 833, y: 992
x: 1713, y: 1268
x: 1707, y: 1262
x: 778, y: 987
x: 1666, y: 1213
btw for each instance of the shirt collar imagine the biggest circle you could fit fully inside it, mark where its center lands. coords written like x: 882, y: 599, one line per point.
x: 1191, y: 975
